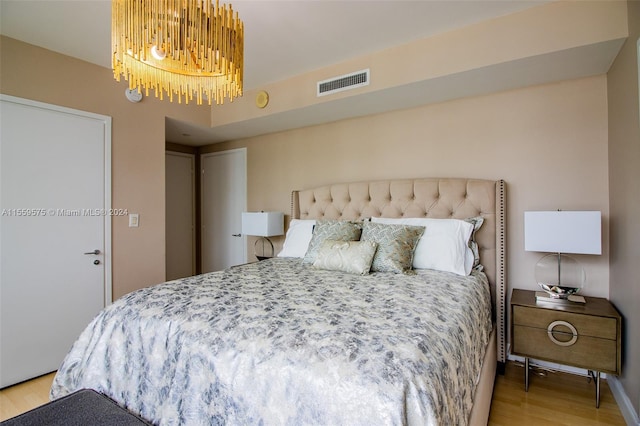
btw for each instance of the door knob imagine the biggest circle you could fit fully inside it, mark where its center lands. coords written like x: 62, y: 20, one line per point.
x: 96, y: 251
x: 236, y: 235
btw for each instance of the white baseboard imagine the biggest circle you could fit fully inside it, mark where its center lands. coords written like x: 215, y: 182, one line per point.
x: 624, y: 403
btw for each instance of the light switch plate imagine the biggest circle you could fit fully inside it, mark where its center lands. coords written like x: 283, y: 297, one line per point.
x: 134, y: 220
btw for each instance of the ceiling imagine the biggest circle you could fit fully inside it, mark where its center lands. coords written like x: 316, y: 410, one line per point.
x: 282, y: 38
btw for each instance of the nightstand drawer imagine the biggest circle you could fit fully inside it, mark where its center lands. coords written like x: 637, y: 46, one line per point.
x: 587, y: 352
x: 586, y: 325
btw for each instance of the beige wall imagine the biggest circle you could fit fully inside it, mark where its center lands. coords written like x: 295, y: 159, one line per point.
x: 138, y: 147
x: 624, y: 176
x: 548, y: 142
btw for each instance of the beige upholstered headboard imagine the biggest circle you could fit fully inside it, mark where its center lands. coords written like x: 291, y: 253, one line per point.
x: 433, y: 198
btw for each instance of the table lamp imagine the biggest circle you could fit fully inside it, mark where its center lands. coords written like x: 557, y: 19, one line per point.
x: 264, y: 225
x: 560, y: 232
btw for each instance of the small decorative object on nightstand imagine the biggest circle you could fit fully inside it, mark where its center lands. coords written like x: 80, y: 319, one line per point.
x: 585, y: 336
x: 264, y: 225
x: 559, y: 232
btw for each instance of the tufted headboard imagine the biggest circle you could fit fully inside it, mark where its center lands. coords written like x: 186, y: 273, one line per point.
x: 456, y: 198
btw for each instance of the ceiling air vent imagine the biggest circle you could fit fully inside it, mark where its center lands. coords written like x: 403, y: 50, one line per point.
x: 343, y: 82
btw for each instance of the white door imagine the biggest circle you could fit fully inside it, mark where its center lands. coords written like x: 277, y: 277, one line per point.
x: 54, y: 199
x: 224, y: 198
x: 180, y: 215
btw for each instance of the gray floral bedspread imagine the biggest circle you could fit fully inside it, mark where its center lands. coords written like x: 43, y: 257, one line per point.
x: 280, y: 343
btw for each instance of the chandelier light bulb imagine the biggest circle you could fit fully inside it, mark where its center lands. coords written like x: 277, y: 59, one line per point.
x: 159, y: 54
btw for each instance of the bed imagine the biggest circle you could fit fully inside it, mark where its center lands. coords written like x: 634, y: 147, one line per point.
x: 307, y: 340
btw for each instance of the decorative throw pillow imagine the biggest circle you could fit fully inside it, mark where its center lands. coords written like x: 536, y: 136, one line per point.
x: 296, y: 242
x: 396, y: 244
x: 340, y: 230
x: 444, y: 245
x: 353, y: 257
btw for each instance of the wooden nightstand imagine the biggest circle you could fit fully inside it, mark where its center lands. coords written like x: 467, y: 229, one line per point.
x: 581, y: 335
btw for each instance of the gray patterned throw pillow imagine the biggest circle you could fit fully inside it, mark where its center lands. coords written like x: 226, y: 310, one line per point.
x: 396, y: 244
x: 340, y: 230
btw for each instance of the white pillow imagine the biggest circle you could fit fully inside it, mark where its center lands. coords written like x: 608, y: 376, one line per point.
x: 444, y: 246
x: 297, y: 239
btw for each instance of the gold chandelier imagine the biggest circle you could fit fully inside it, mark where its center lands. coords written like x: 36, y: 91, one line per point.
x: 180, y: 47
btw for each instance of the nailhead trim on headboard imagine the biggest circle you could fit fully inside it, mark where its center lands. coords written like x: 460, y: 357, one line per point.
x: 501, y: 269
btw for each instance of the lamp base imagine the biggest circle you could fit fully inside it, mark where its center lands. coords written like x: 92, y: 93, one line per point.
x: 572, y: 299
x: 559, y: 275
x: 263, y: 255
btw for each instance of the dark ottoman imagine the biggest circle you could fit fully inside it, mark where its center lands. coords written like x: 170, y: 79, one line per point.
x: 85, y: 407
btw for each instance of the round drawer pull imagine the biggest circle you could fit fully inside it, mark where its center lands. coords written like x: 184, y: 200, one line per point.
x: 570, y: 326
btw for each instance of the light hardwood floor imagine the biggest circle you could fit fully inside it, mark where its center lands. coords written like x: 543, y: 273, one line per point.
x: 553, y: 399
x: 556, y: 399
x: 24, y: 396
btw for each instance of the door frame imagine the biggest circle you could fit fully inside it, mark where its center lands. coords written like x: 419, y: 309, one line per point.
x: 108, y: 291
